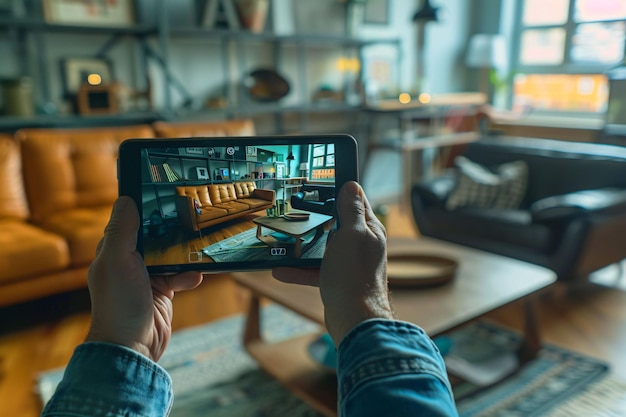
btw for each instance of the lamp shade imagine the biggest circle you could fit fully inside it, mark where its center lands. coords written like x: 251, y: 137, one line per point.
x: 427, y: 13
x: 290, y: 157
x: 304, y: 166
x: 486, y: 51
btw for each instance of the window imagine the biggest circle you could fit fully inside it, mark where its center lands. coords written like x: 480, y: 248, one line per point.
x: 323, y: 161
x: 564, y: 47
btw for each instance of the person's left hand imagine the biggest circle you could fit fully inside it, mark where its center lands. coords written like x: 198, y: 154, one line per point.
x: 128, y: 307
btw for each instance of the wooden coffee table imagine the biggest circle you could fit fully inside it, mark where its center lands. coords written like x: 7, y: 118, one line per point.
x: 483, y: 283
x: 295, y: 229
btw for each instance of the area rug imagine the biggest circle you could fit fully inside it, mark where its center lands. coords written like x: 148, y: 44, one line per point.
x: 246, y: 246
x: 214, y: 377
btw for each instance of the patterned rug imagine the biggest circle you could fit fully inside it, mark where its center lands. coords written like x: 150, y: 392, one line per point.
x: 246, y: 246
x: 214, y: 377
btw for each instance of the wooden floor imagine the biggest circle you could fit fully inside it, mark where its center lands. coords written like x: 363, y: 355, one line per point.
x: 174, y: 248
x: 42, y: 335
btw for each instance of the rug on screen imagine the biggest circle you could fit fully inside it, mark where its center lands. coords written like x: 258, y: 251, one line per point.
x: 246, y: 246
x: 213, y: 376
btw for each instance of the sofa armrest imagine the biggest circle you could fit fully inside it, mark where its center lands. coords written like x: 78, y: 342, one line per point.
x: 187, y: 212
x: 268, y: 195
x: 607, y: 201
x: 435, y: 191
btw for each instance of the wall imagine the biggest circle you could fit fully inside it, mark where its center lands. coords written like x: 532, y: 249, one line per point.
x: 197, y: 62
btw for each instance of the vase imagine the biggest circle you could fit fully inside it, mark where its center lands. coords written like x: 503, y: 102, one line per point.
x: 253, y: 14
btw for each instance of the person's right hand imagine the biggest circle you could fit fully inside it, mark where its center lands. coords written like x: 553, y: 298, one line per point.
x: 353, y: 275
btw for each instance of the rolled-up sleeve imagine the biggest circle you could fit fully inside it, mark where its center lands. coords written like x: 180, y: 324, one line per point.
x: 392, y: 368
x: 104, y: 379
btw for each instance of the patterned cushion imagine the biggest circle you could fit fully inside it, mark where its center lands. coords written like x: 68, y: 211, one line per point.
x: 477, y: 186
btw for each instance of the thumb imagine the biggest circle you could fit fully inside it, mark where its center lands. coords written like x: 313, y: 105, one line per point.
x: 120, y: 233
x: 351, y: 206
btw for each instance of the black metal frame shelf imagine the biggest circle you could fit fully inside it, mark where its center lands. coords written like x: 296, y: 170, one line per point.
x: 162, y: 33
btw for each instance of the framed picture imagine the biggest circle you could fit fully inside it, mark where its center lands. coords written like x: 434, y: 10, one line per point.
x: 98, y: 99
x: 77, y: 71
x: 377, y: 12
x: 202, y: 173
x: 90, y: 12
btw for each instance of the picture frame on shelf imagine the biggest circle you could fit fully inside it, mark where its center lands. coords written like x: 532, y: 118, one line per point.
x: 377, y: 12
x: 90, y: 12
x: 76, y: 71
x: 98, y: 99
x: 202, y: 173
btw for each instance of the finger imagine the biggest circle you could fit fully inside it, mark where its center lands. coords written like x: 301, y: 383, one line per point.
x: 168, y: 285
x: 121, y: 232
x: 372, y: 221
x: 184, y: 281
x: 99, y: 247
x: 299, y: 276
x: 351, y: 208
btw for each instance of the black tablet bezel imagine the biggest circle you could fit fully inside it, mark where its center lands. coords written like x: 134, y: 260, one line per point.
x: 130, y: 184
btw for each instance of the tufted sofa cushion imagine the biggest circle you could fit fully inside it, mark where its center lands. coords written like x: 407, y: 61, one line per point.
x: 70, y: 178
x: 28, y: 250
x: 244, y: 127
x: 12, y: 198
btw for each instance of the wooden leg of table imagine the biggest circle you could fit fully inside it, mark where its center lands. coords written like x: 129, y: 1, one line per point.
x: 532, y: 338
x: 252, y: 331
x: 297, y: 249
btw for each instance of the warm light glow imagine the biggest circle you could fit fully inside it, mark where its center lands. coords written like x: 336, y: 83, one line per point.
x: 94, y: 79
x: 424, y: 98
x: 348, y: 64
x: 405, y: 98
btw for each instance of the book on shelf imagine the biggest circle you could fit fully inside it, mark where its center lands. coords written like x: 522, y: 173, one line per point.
x: 164, y: 173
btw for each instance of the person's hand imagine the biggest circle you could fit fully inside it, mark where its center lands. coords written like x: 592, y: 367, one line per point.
x: 353, y: 274
x: 128, y: 307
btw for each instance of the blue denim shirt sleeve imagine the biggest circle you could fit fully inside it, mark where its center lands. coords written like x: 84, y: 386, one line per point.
x: 104, y: 379
x: 392, y: 368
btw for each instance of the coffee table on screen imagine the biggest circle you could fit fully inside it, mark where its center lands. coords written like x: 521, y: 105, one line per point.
x: 483, y: 283
x: 295, y: 229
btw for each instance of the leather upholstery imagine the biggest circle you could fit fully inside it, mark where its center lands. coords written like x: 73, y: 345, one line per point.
x: 244, y: 127
x: 82, y: 228
x: 72, y: 168
x: 12, y: 197
x: 27, y: 250
x: 572, y: 219
x: 222, y: 193
x: 56, y: 191
x: 325, y: 203
x: 220, y: 202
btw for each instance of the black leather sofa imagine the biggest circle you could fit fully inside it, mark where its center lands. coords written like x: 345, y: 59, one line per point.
x: 572, y: 219
x: 324, y: 204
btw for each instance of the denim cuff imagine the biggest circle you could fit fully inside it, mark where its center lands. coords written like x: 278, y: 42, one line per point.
x: 379, y: 348
x: 104, y: 379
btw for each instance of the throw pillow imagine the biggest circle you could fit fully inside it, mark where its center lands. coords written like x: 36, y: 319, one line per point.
x: 311, y: 195
x: 477, y: 186
x: 196, y: 206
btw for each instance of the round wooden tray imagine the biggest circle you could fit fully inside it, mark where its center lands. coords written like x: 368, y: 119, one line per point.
x: 297, y: 217
x: 420, y: 270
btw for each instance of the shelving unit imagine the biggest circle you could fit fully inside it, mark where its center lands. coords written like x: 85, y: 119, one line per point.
x: 184, y: 166
x: 153, y: 45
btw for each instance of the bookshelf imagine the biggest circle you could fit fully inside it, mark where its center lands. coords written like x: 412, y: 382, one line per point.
x: 164, y: 170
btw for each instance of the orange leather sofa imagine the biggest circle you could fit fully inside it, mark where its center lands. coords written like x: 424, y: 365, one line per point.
x: 218, y: 203
x: 57, y: 187
x: 241, y: 127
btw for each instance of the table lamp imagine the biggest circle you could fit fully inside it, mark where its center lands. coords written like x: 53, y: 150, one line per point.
x: 427, y: 13
x: 290, y: 158
x: 304, y: 169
